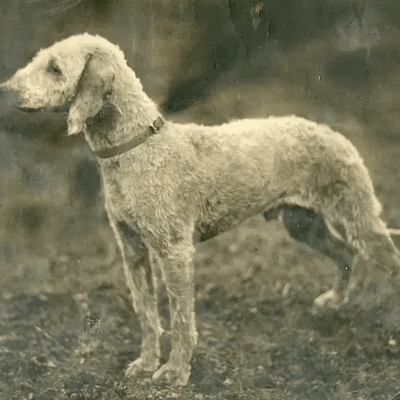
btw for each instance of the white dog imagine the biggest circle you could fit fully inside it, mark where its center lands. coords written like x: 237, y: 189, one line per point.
x: 163, y: 181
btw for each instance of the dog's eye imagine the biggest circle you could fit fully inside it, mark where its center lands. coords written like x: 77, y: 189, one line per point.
x: 54, y: 69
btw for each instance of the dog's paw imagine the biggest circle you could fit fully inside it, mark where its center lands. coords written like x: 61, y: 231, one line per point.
x: 142, y: 366
x: 330, y: 300
x: 172, y: 375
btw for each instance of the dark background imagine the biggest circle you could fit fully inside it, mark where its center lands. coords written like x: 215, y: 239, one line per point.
x: 211, y: 61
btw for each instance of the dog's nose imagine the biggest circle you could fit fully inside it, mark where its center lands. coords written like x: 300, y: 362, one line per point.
x: 3, y: 89
x: 8, y: 97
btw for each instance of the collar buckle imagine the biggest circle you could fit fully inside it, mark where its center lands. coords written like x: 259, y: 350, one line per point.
x: 157, y: 125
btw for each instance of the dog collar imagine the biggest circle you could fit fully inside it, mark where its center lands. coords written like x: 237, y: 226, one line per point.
x: 139, y: 139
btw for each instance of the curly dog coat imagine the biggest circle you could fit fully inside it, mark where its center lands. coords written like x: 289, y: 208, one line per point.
x: 164, y: 181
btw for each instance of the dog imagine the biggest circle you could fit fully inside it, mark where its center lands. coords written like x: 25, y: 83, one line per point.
x: 165, y: 182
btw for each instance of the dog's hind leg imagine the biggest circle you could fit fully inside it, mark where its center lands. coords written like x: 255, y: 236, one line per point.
x: 310, y: 228
x: 139, y: 276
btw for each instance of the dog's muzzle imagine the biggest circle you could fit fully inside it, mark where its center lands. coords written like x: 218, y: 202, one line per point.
x: 53, y: 109
x: 9, y: 99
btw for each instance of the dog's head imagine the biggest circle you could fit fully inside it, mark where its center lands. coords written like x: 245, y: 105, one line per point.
x: 75, y: 75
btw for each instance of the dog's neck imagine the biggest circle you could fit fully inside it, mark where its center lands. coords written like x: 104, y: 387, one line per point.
x: 110, y: 152
x: 126, y: 117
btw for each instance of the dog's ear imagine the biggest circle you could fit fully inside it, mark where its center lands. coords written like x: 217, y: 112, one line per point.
x: 95, y: 85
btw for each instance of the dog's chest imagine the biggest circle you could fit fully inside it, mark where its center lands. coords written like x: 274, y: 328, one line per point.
x: 120, y: 189
x: 132, y: 192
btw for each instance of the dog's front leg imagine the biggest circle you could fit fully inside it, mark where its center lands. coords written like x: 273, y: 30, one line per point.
x: 139, y: 276
x: 178, y: 276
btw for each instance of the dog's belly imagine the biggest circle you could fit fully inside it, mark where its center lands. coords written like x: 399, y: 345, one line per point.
x: 230, y: 209
x: 220, y: 218
x: 208, y: 230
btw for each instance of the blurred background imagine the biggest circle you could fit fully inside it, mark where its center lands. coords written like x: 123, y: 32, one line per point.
x: 334, y: 62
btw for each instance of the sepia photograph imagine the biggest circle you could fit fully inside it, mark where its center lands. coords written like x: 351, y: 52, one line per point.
x: 199, y: 200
